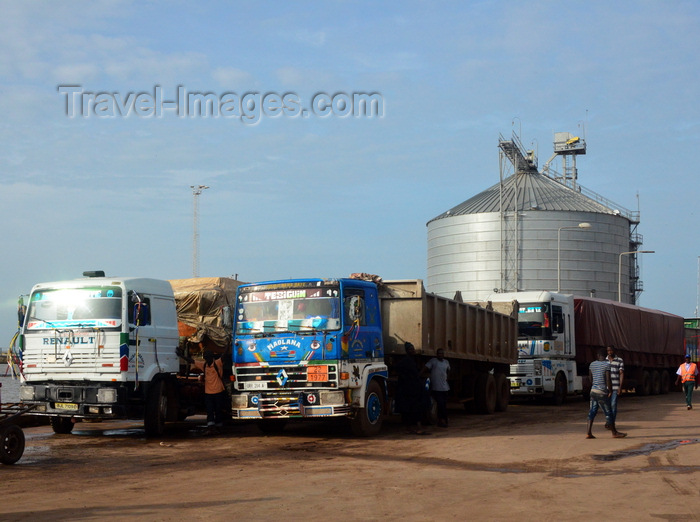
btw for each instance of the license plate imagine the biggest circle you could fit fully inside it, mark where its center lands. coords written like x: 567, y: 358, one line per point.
x: 317, y: 373
x: 66, y: 406
x: 255, y: 385
x: 514, y: 384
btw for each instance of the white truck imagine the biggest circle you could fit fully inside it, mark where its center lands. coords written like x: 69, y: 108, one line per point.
x: 559, y: 335
x: 105, y: 348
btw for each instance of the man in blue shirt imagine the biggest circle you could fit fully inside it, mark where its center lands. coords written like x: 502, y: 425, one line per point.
x: 601, y: 390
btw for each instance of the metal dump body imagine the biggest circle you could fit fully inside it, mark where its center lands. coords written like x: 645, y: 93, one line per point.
x: 465, y: 331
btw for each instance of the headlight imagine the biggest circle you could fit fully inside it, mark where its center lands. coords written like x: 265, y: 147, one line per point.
x: 239, y: 401
x: 107, y: 395
x: 26, y: 393
x: 332, y: 398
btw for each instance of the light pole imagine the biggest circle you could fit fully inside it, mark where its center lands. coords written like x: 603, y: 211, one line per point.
x: 619, y: 269
x: 697, y: 299
x: 580, y: 225
x: 196, y: 191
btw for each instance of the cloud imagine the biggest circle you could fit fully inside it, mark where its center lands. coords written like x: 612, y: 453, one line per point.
x: 232, y: 78
x: 313, y: 38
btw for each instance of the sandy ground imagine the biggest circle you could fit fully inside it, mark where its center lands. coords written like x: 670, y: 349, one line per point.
x: 530, y: 463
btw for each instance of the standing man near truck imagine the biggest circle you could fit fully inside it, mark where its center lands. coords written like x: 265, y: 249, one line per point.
x: 214, y: 390
x: 688, y: 375
x: 409, y: 388
x: 439, y: 367
x: 617, y: 376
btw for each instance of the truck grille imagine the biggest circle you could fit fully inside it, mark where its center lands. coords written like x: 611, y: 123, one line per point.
x: 286, y: 377
x: 279, y: 405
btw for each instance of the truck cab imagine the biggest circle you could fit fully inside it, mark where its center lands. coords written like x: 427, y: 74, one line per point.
x: 546, y: 345
x: 309, y: 348
x: 99, y: 348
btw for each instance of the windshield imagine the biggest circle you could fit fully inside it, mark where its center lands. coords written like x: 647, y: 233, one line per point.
x: 533, y: 320
x: 270, y: 310
x: 88, y: 307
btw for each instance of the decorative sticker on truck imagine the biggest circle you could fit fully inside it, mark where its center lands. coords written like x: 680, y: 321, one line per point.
x: 535, y: 347
x: 546, y: 368
x: 141, y: 361
x: 76, y: 323
x: 279, y: 350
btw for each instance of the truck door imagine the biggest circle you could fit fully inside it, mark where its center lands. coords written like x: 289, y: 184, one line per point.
x: 561, y: 328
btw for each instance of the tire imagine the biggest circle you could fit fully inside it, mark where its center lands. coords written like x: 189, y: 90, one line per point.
x: 11, y: 444
x: 156, y: 409
x: 655, y: 383
x: 62, y: 425
x: 665, y: 383
x: 643, y: 387
x: 368, y: 420
x: 560, y: 390
x: 271, y: 426
x: 502, y: 392
x: 485, y: 393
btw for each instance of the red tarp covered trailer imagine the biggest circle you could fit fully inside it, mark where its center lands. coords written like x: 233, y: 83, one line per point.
x: 646, y: 339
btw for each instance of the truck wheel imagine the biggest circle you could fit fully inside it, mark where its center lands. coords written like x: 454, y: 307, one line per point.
x: 502, y: 392
x: 560, y: 390
x: 665, y: 383
x: 485, y: 393
x: 368, y: 420
x: 156, y: 409
x: 11, y: 444
x: 655, y: 383
x: 62, y: 425
x: 643, y: 387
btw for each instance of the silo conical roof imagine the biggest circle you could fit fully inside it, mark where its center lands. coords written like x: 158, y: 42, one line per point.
x: 535, y: 191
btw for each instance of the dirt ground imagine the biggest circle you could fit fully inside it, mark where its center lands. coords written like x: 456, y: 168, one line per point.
x: 530, y: 463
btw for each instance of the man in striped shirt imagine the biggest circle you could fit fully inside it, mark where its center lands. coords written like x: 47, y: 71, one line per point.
x: 617, y: 376
x: 601, y: 389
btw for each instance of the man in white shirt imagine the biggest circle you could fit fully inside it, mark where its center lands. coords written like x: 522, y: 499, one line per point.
x: 439, y: 367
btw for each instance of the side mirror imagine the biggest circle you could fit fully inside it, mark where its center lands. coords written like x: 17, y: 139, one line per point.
x: 226, y: 317
x: 142, y: 314
x: 355, y: 308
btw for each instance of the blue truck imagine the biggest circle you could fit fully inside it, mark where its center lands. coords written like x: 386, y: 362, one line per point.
x: 322, y: 348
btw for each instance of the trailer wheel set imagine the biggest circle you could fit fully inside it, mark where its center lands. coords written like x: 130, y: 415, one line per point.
x: 11, y: 435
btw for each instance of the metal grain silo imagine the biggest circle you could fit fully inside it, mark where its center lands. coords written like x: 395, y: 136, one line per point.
x: 524, y: 234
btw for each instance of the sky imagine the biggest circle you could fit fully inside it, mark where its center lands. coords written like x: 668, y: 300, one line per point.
x: 95, y: 172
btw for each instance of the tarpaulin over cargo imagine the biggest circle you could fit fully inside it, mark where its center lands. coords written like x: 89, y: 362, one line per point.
x: 630, y: 329
x: 205, y: 307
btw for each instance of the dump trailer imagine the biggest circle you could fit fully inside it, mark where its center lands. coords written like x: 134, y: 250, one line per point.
x: 479, y: 339
x: 315, y: 348
x: 559, y: 335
